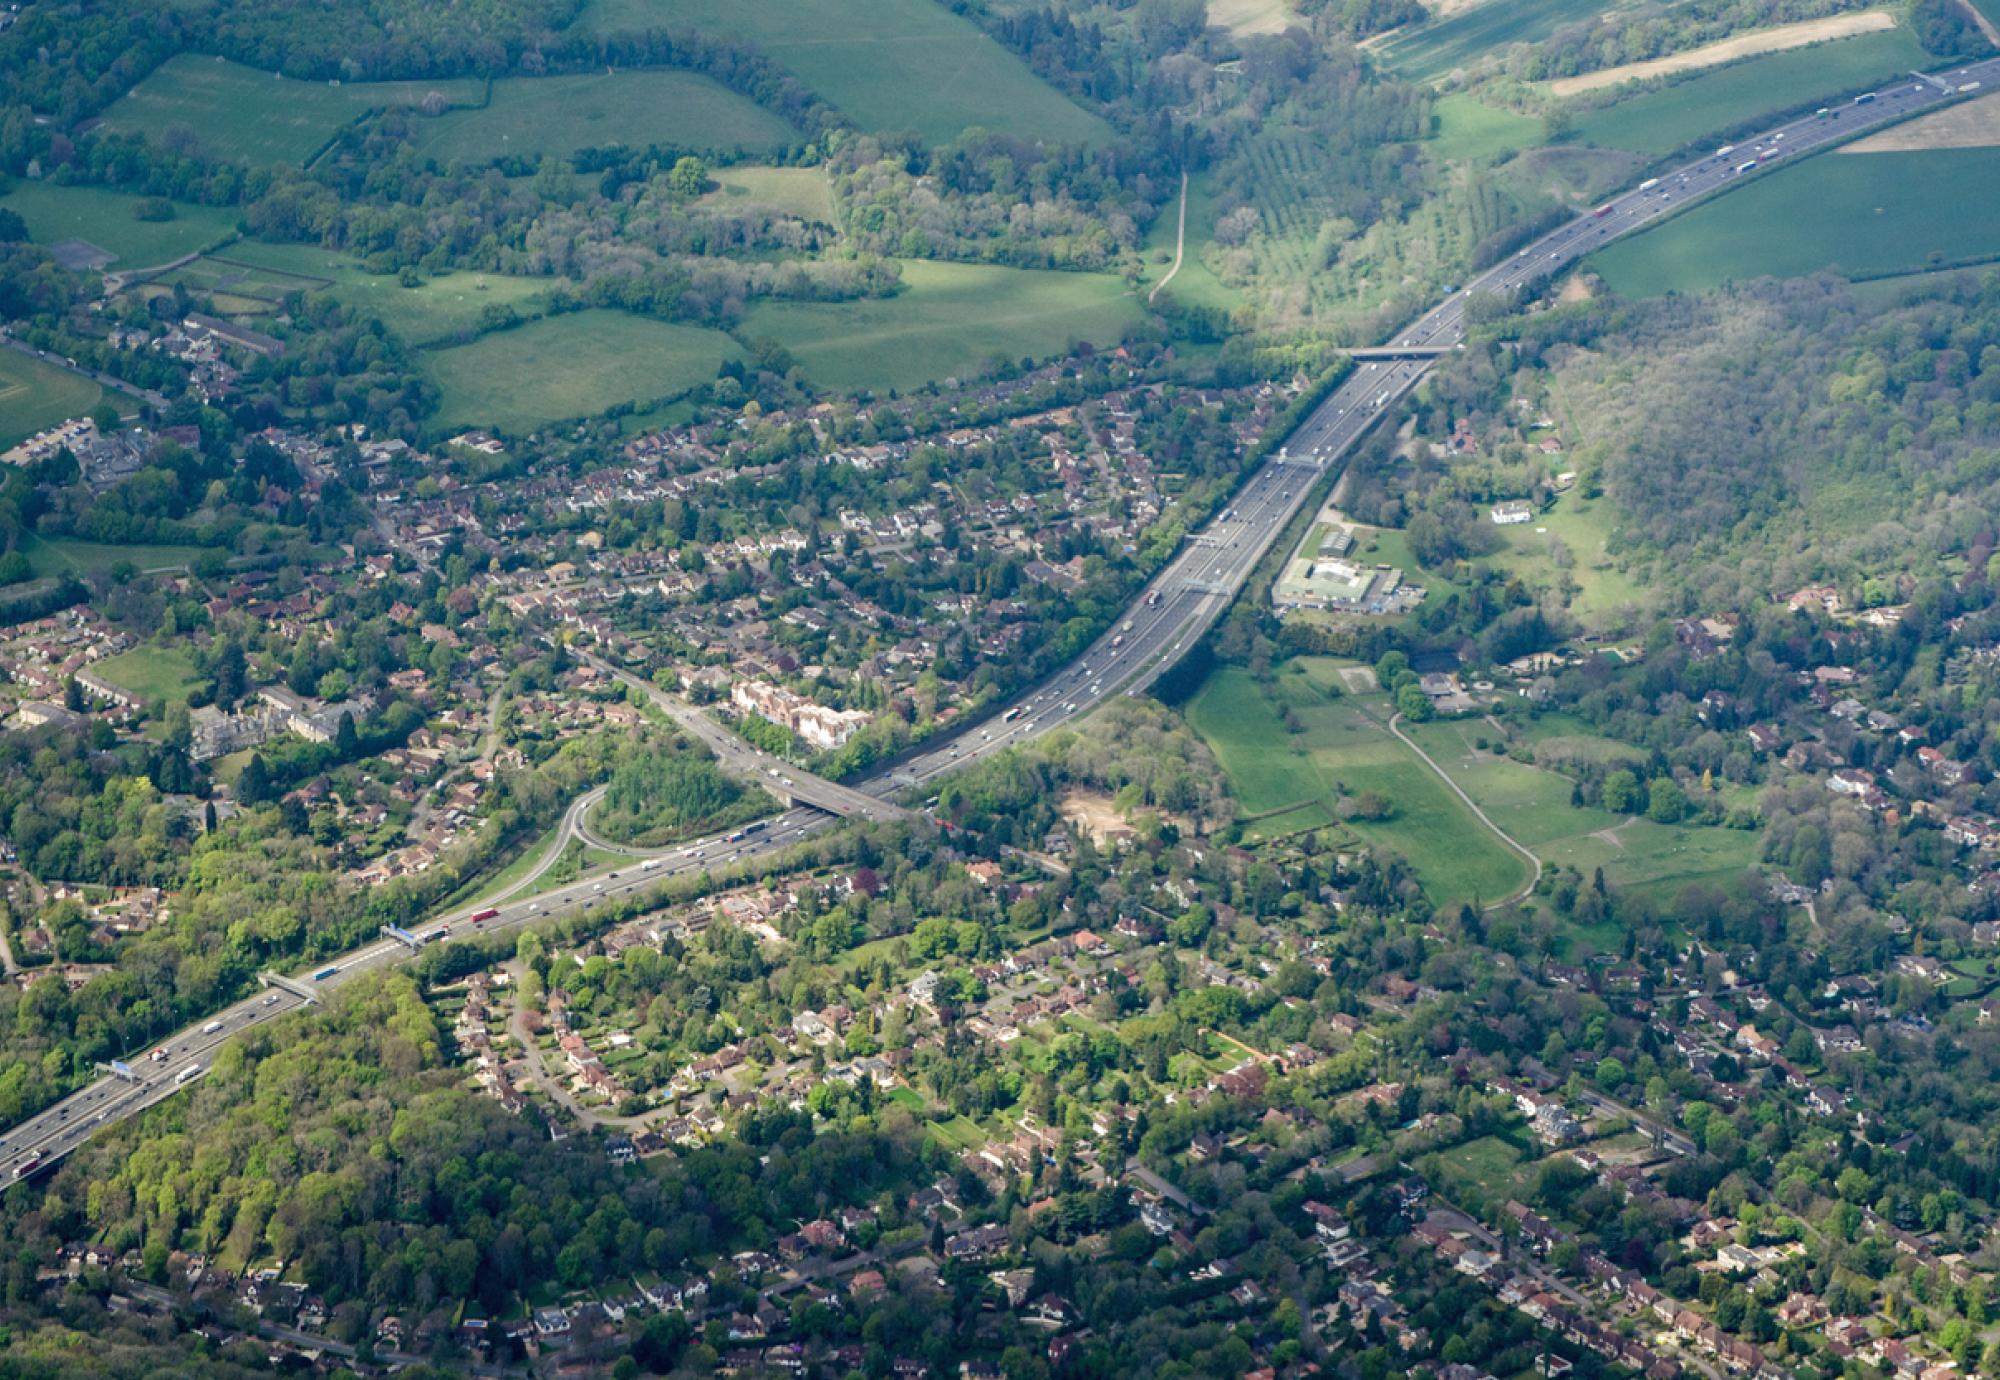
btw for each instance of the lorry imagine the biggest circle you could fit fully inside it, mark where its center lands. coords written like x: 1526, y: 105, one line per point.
x: 323, y: 974
x: 188, y: 1075
x: 480, y: 917
x: 211, y: 1027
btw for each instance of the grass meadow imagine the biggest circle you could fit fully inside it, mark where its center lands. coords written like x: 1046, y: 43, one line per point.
x: 1433, y: 50
x: 576, y: 365
x: 555, y: 116
x: 889, y: 65
x: 1470, y: 131
x: 1346, y: 747
x: 242, y: 114
x: 948, y: 320
x: 105, y: 219
x: 801, y: 192
x: 437, y: 309
x: 1865, y: 214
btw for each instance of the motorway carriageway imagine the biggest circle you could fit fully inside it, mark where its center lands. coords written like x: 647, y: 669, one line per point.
x: 1174, y: 610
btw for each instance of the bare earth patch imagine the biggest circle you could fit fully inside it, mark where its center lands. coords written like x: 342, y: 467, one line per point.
x: 1727, y: 50
x: 1243, y: 17
x: 1093, y: 812
x: 1973, y: 125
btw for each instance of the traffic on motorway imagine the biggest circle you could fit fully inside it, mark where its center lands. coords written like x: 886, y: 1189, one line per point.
x: 1173, y: 611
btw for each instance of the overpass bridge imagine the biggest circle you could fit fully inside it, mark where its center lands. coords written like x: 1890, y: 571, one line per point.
x: 780, y: 778
x: 1400, y: 351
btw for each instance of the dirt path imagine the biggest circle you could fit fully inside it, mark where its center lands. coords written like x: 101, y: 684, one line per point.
x: 1180, y: 244
x: 1534, y: 863
x: 1774, y: 40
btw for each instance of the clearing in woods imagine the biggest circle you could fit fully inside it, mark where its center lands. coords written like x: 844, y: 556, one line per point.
x: 1244, y: 17
x: 555, y: 116
x: 1774, y: 40
x: 885, y: 64
x: 1975, y: 124
x: 801, y: 192
x: 241, y: 114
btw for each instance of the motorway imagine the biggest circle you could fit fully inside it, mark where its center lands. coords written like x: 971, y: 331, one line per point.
x: 1170, y: 614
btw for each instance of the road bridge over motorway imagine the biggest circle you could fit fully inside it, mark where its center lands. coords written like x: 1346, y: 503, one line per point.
x: 1400, y: 351
x: 777, y: 776
x: 1178, y: 607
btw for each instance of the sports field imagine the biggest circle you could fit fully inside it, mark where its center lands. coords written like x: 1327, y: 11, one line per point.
x: 1432, y: 50
x: 234, y: 112
x: 1671, y: 117
x: 1867, y: 215
x: 571, y: 366
x: 949, y: 319
x: 68, y: 556
x: 888, y: 65
x: 556, y: 116
x: 1346, y: 748
x: 35, y: 396
x: 94, y: 216
x: 431, y: 312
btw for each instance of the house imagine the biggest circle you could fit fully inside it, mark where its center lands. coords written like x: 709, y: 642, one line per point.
x: 1851, y: 781
x: 1511, y: 512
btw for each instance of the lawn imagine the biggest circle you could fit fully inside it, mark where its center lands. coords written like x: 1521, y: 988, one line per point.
x: 158, y: 673
x: 891, y: 65
x: 66, y: 555
x: 1432, y: 50
x: 1534, y: 806
x: 1346, y: 748
x: 1490, y: 1167
x: 556, y: 116
x: 571, y: 366
x: 1666, y: 118
x: 439, y: 308
x: 105, y: 220
x: 949, y: 319
x: 1584, y: 528
x: 239, y: 113
x: 35, y: 396
x: 1865, y: 214
x: 1468, y: 130
x: 801, y: 192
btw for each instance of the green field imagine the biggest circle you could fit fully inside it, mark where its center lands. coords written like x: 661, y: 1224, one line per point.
x: 440, y: 307
x: 556, y: 116
x: 1490, y: 1167
x: 949, y: 319
x: 801, y: 192
x: 35, y: 396
x: 67, y: 556
x: 240, y: 113
x: 1534, y: 806
x: 1468, y: 130
x: 889, y: 65
x: 571, y: 366
x: 158, y: 673
x: 1196, y: 285
x: 1432, y: 50
x: 1346, y: 747
x: 1584, y: 527
x: 105, y: 219
x: 1666, y: 118
x: 1866, y: 214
